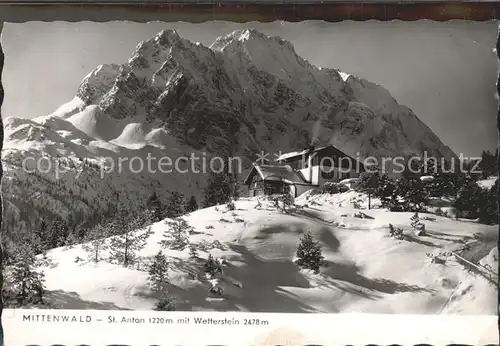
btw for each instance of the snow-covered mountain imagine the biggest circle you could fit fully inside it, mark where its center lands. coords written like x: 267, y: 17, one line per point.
x: 245, y: 93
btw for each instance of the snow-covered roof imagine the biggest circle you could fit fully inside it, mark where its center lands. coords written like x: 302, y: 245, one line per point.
x: 334, y: 151
x: 298, y: 153
x: 283, y: 173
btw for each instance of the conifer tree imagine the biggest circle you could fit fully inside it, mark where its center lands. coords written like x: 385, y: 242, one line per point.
x: 165, y: 303
x: 96, y: 242
x: 71, y: 240
x: 469, y: 198
x: 175, y: 205
x: 176, y: 236
x: 26, y: 282
x: 132, y: 235
x: 212, y: 266
x: 191, y: 204
x: 218, y: 190
x: 155, y: 207
x: 415, y: 221
x: 158, y: 279
x: 489, y: 207
x: 489, y: 163
x: 413, y: 191
x: 193, y: 252
x: 368, y: 183
x: 158, y: 273
x: 309, y: 253
x: 43, y: 238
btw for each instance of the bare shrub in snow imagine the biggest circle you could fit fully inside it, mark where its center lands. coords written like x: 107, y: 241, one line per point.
x: 238, y: 220
x: 394, y: 204
x: 259, y: 205
x: 309, y: 253
x: 276, y: 201
x: 361, y: 215
x: 215, y: 290
x: 287, y: 202
x: 230, y: 205
x: 209, y: 227
x: 165, y: 303
x: 440, y: 258
x: 440, y: 212
x: 283, y: 202
x: 177, y: 236
x: 333, y: 188
x: 395, y: 232
x: 224, y: 220
x: 212, y: 266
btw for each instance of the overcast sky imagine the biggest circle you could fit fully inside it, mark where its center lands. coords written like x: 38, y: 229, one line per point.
x: 445, y: 72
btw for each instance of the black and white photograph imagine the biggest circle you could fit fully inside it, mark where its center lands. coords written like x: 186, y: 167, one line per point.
x: 280, y: 167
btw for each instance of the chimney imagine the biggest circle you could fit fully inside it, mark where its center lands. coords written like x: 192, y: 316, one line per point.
x: 309, y: 148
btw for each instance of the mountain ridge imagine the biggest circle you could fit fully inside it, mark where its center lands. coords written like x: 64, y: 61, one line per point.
x: 244, y: 94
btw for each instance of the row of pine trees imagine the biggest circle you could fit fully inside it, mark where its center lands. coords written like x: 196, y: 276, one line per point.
x: 126, y: 226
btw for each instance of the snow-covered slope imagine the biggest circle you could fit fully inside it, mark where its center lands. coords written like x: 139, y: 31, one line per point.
x: 245, y: 93
x: 365, y: 270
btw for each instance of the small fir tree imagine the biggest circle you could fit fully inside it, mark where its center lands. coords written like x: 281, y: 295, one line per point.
x: 165, y: 303
x: 131, y: 237
x: 27, y: 284
x: 309, y: 253
x: 175, y: 205
x: 43, y: 237
x: 191, y: 204
x: 219, y: 190
x: 176, y: 235
x: 488, y: 212
x: 368, y: 183
x: 417, y: 225
x: 489, y: 163
x: 415, y: 221
x: 155, y: 207
x: 193, y: 252
x: 212, y: 266
x: 71, y: 240
x: 158, y: 273
x: 395, y: 232
x: 469, y: 198
x: 96, y: 242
